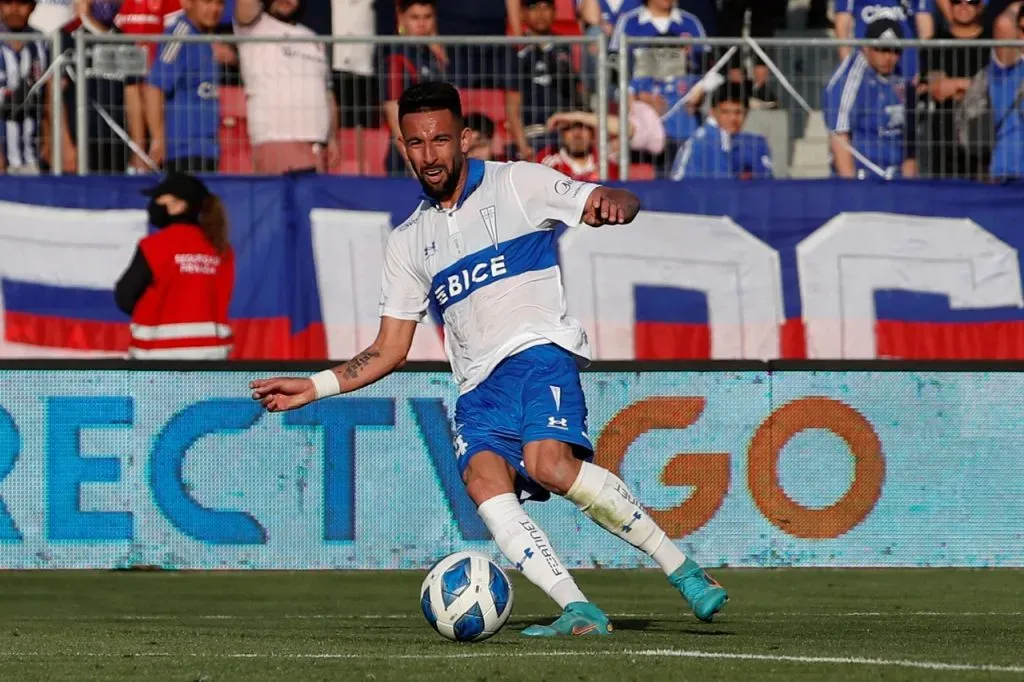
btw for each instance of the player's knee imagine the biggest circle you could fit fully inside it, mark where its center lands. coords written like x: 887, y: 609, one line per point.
x: 487, y: 476
x: 552, y: 465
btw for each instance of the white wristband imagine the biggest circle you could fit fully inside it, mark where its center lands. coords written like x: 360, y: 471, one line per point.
x: 326, y: 384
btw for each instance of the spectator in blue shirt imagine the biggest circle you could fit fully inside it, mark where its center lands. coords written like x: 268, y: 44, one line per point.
x: 1006, y: 94
x: 605, y: 13
x: 182, y: 104
x: 658, y: 19
x: 719, y: 148
x: 677, y: 100
x: 866, y: 110
x: 853, y: 17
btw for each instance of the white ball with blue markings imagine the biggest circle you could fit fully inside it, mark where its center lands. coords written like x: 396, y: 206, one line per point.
x: 466, y: 597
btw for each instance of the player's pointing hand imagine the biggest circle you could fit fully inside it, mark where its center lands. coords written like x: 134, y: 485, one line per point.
x: 283, y: 393
x: 607, y: 206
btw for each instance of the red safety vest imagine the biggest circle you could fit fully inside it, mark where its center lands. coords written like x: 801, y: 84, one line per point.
x: 184, y: 312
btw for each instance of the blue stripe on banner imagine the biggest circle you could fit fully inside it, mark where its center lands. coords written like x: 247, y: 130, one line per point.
x: 670, y: 304
x: 535, y: 251
x: 68, y: 302
x: 908, y: 306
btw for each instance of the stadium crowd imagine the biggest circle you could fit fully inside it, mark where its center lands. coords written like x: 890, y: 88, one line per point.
x: 296, y: 105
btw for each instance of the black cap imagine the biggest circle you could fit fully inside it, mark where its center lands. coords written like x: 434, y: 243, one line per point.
x: 884, y: 29
x: 182, y: 185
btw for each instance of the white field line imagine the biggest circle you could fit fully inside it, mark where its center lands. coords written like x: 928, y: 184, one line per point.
x: 739, y: 616
x: 634, y: 653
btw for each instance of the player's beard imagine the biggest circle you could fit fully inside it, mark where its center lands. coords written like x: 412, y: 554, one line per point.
x: 445, y: 191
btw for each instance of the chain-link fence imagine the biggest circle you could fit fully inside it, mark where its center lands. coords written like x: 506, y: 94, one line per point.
x: 655, y: 108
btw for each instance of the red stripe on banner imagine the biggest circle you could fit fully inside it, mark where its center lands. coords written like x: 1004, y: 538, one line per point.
x: 62, y: 332
x: 262, y: 339
x: 792, y: 341
x: 671, y: 341
x: 950, y: 340
x: 310, y: 343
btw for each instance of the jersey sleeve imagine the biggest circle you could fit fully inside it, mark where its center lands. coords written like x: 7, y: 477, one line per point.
x: 547, y: 196
x: 844, y: 6
x: 693, y: 160
x: 640, y: 85
x: 404, y: 290
x: 166, y: 68
x: 841, y: 97
x: 762, y: 161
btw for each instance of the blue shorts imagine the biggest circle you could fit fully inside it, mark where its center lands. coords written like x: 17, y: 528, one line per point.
x: 533, y: 395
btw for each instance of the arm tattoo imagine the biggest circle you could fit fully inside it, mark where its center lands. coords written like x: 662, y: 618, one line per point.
x: 354, y: 366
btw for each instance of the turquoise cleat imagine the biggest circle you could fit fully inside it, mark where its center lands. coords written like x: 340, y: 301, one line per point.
x: 705, y: 596
x: 579, y: 619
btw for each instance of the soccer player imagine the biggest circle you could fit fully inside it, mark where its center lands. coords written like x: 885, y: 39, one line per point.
x: 481, y: 249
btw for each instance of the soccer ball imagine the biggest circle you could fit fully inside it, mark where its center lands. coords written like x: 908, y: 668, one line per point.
x: 466, y: 597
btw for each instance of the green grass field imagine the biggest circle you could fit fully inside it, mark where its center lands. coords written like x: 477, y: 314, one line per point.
x: 779, y: 625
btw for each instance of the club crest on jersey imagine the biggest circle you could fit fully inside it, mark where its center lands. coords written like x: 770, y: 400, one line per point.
x: 490, y: 218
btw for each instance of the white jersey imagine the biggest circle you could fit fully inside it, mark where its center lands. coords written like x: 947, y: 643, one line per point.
x: 489, y: 266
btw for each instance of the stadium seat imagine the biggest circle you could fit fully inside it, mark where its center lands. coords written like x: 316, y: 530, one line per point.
x: 566, y: 27
x: 488, y: 102
x: 565, y: 10
x: 232, y: 103
x: 641, y: 171
x: 235, y: 147
x: 362, y: 151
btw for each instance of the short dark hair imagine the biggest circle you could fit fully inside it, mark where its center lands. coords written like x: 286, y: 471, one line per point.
x: 404, y: 5
x: 430, y: 96
x: 731, y: 92
x: 482, y: 123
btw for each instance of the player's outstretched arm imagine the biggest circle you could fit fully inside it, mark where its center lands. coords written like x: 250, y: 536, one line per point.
x: 607, y: 206
x: 386, y: 354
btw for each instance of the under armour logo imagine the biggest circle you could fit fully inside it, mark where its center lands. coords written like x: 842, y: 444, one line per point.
x: 629, y: 526
x: 554, y: 423
x: 527, y: 554
x: 460, y: 446
x: 430, y: 250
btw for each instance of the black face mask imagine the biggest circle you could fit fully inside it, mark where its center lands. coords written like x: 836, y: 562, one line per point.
x: 158, y: 215
x: 160, y: 218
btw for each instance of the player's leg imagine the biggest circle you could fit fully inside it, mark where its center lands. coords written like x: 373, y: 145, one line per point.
x: 608, y: 501
x: 554, y: 433
x: 490, y: 483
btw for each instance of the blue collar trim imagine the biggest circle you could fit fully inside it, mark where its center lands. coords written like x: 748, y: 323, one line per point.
x: 474, y: 178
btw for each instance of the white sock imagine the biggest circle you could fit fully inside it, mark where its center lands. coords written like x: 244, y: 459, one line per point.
x: 527, y: 547
x: 603, y: 497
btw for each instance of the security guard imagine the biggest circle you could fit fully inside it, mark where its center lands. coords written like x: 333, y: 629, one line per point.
x: 178, y: 287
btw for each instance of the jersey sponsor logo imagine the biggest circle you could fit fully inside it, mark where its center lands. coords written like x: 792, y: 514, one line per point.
x: 873, y: 13
x: 535, y: 251
x: 462, y: 282
x: 562, y: 187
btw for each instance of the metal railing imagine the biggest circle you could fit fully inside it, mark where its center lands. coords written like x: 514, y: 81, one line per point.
x: 797, y: 115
